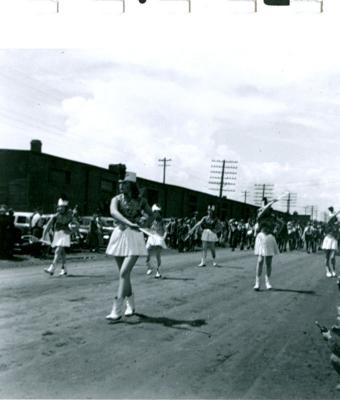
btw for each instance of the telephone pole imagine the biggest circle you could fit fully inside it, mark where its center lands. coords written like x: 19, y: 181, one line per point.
x: 245, y: 193
x: 223, y: 174
x: 290, y: 201
x: 311, y: 210
x: 261, y: 191
x: 164, y: 165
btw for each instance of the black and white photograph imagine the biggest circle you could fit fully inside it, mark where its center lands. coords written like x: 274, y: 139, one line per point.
x: 169, y: 199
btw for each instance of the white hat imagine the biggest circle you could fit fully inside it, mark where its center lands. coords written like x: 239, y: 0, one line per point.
x: 155, y: 207
x: 62, y: 202
x: 129, y: 177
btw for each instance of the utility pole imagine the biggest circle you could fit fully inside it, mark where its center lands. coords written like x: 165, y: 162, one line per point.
x: 164, y: 164
x: 290, y: 201
x: 223, y: 173
x: 245, y: 193
x: 261, y: 191
x: 313, y: 211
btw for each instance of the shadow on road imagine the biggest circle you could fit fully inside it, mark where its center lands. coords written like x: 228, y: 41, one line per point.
x: 169, y: 321
x: 85, y: 276
x: 312, y: 292
x: 180, y: 324
x: 170, y: 278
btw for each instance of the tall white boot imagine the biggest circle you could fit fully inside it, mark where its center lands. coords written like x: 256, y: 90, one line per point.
x: 257, y: 284
x: 149, y: 270
x: 50, y: 269
x: 268, y: 285
x: 117, y: 310
x: 130, y: 305
x: 202, y: 263
x: 63, y: 270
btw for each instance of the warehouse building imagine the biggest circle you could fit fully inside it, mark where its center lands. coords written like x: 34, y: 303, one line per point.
x: 31, y: 178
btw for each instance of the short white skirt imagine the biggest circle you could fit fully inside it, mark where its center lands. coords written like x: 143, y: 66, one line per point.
x: 265, y: 245
x: 209, y: 236
x: 155, y: 240
x: 329, y: 243
x: 61, y: 239
x: 126, y: 242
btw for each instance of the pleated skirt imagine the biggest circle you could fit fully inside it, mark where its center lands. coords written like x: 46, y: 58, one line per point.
x: 126, y: 242
x: 155, y: 241
x: 329, y: 243
x: 61, y: 239
x: 265, y: 245
x: 209, y: 236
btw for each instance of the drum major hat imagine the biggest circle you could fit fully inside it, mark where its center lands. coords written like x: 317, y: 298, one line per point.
x: 155, y: 207
x: 129, y: 177
x: 62, y: 203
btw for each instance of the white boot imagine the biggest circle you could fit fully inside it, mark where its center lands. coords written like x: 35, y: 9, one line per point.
x: 130, y: 305
x: 268, y: 285
x: 50, y: 269
x: 63, y: 271
x: 257, y: 284
x: 202, y: 263
x: 158, y: 275
x: 117, y: 310
x: 149, y: 271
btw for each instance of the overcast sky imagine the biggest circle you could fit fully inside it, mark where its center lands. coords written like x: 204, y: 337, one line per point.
x: 262, y: 90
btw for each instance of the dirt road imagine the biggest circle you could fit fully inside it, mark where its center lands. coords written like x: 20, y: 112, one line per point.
x: 199, y: 332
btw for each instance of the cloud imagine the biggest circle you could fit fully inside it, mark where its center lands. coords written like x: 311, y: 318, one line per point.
x: 192, y: 96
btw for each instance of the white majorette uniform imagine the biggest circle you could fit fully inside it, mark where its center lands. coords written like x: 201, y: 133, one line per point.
x: 124, y: 241
x: 156, y: 239
x: 209, y: 225
x: 265, y: 245
x: 329, y: 242
x: 60, y: 223
x: 61, y: 228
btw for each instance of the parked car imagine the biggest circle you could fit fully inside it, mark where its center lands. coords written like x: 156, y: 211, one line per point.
x: 108, y: 225
x: 29, y: 244
x: 22, y: 220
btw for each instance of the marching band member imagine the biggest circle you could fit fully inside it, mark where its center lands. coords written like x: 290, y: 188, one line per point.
x: 127, y: 242
x: 210, y: 226
x: 330, y: 242
x: 60, y: 223
x: 156, y: 241
x: 265, y: 248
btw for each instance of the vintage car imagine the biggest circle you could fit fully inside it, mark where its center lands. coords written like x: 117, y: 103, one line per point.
x: 22, y: 221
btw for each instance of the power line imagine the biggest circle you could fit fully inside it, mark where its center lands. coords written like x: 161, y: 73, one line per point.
x: 223, y: 174
x: 245, y: 193
x: 290, y: 201
x: 164, y: 165
x: 261, y: 191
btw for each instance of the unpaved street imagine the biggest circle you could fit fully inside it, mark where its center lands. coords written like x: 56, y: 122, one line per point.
x: 199, y: 332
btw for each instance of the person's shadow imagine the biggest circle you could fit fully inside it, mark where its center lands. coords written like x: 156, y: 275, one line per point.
x: 181, y: 324
x: 311, y: 292
x: 171, y: 278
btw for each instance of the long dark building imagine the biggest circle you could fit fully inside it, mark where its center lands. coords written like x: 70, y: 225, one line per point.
x: 31, y: 178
